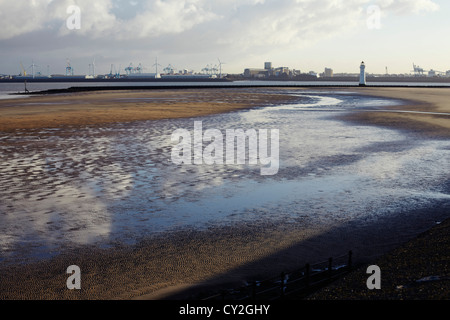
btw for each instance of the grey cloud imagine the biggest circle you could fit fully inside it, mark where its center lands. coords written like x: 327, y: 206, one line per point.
x: 123, y: 29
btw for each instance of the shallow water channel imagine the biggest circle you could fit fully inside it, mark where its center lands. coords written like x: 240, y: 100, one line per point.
x: 117, y: 183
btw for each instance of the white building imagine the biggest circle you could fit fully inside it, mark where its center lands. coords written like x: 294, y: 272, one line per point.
x: 362, y: 74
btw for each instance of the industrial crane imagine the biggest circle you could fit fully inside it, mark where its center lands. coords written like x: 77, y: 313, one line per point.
x: 169, y: 69
x: 129, y: 69
x: 69, y: 69
x: 418, y: 71
x: 23, y: 73
x: 139, y: 68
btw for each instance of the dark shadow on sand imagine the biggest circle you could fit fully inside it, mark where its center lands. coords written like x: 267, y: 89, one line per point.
x: 368, y: 240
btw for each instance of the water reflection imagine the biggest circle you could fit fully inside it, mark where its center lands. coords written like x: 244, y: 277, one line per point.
x: 117, y: 183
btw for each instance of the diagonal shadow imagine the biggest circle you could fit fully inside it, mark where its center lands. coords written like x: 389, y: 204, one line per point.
x: 368, y: 240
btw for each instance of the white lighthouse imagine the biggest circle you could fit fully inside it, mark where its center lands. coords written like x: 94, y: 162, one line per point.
x: 362, y: 74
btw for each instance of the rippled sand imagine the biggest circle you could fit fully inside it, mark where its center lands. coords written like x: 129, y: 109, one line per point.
x: 69, y: 193
x: 62, y: 110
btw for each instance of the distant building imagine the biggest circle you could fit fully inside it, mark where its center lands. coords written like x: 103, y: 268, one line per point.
x: 186, y: 72
x: 328, y: 72
x: 281, y: 71
x: 256, y: 73
x: 144, y: 75
x: 269, y: 71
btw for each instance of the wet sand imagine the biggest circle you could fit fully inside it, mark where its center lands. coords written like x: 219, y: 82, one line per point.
x: 80, y: 109
x: 122, y: 106
x: 166, y: 266
x: 417, y: 100
x: 420, y: 268
x: 416, y: 270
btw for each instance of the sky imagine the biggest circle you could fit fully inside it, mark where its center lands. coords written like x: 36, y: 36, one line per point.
x: 306, y: 35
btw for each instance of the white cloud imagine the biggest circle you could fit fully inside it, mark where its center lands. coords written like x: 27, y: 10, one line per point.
x: 257, y: 21
x: 289, y: 22
x: 96, y: 17
x: 166, y: 17
x: 242, y: 29
x: 18, y: 17
x: 21, y: 17
x: 407, y: 6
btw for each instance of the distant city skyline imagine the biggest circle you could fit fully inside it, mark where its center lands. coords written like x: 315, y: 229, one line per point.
x: 191, y: 34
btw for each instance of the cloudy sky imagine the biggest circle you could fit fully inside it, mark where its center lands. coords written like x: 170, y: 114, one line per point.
x: 189, y: 34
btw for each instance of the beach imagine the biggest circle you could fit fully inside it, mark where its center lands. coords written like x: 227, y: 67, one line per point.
x: 422, y: 102
x: 111, y: 106
x: 416, y: 270
x: 94, y: 108
x: 179, y: 264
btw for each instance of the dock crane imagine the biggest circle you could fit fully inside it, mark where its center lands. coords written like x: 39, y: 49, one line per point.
x: 69, y: 69
x: 139, y: 68
x: 129, y: 69
x: 214, y: 70
x: 23, y: 73
x: 206, y: 69
x: 169, y: 69
x: 418, y: 71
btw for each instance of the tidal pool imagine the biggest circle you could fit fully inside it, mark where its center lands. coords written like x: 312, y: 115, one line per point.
x: 116, y: 183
